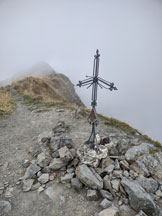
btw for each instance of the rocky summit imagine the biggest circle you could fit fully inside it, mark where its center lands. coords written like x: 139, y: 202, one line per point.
x: 47, y: 167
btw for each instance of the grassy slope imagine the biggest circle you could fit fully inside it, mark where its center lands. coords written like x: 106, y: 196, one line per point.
x: 7, y: 104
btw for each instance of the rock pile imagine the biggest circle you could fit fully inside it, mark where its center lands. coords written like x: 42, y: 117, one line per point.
x: 125, y: 178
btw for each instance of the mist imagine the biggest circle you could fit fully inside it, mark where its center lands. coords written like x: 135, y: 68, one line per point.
x: 66, y: 34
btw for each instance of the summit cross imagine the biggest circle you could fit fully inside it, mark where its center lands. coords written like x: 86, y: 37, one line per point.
x: 95, y: 81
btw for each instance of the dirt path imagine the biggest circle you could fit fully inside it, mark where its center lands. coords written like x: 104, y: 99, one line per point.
x: 18, y: 133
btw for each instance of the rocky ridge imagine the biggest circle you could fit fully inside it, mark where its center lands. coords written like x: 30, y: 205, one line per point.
x: 117, y: 181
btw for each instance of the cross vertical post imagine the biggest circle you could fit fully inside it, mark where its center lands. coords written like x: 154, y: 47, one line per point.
x: 95, y: 81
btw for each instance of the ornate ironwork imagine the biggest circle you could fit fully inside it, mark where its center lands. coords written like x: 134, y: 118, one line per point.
x: 95, y: 81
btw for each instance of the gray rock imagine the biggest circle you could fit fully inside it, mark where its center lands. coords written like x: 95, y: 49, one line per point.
x: 65, y: 154
x: 117, y: 165
x: 44, y: 178
x: 35, y: 186
x: 141, y: 213
x: 92, y: 195
x: 31, y: 171
x: 57, y: 163
x: 27, y: 184
x: 55, y: 154
x: 117, y: 173
x: 159, y: 193
x: 140, y: 168
x: 135, y: 151
x: 107, y: 185
x: 60, y: 128
x: 43, y: 159
x: 89, y: 178
x: 109, y: 169
x: 124, y: 165
x: 5, y: 206
x: 126, y: 210
x: 112, y: 211
x: 107, y: 162
x: 76, y: 184
x: 105, y: 203
x: 106, y: 194
x: 139, y: 199
x: 115, y: 184
x: 9, y: 192
x: 67, y: 178
x: 149, y: 184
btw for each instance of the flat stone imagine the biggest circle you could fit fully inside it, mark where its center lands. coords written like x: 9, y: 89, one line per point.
x: 105, y: 203
x: 115, y: 184
x: 27, y: 184
x: 89, y: 177
x: 44, y: 178
x: 112, y: 211
x: 35, y: 186
x: 109, y: 169
x: 139, y: 199
x: 5, y: 206
x: 106, y: 194
x: 76, y: 184
x: 67, y: 178
x: 57, y: 163
x: 31, y: 171
x: 92, y: 195
x: 135, y: 151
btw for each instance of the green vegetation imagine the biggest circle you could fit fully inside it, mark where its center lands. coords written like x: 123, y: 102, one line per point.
x: 119, y: 125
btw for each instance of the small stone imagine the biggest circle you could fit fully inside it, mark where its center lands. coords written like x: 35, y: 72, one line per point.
x: 117, y: 165
x: 109, y: 169
x: 35, y: 186
x: 18, y: 182
x: 107, y: 185
x: 115, y: 184
x: 8, y: 193
x: 51, y: 178
x: 65, y: 154
x: 55, y: 154
x: 5, y: 206
x: 107, y: 162
x: 106, y: 194
x: 26, y: 163
x: 124, y: 165
x: 92, y: 195
x: 44, y: 178
x: 105, y: 203
x: 27, y: 184
x: 158, y: 193
x: 141, y: 213
x: 126, y: 173
x: 67, y: 178
x: 43, y: 159
x: 1, y: 192
x: 40, y: 189
x: 70, y: 170
x: 39, y: 174
x: 112, y: 211
x: 76, y: 184
x: 126, y: 210
x: 118, y: 173
x: 31, y: 171
x: 57, y: 163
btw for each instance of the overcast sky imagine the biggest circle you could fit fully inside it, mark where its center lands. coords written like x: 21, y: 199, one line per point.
x: 66, y: 34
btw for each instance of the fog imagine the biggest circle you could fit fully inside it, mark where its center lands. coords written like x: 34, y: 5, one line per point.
x: 66, y: 34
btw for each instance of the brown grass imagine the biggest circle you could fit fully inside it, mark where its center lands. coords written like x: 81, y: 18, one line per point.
x: 7, y: 104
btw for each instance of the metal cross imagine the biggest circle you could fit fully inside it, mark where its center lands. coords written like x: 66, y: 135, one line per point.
x: 95, y: 81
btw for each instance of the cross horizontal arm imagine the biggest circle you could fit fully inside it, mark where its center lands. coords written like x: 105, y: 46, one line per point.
x: 85, y: 82
x: 111, y: 85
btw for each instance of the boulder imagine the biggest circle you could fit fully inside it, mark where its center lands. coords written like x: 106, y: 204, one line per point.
x: 139, y: 199
x: 135, y: 151
x: 89, y: 177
